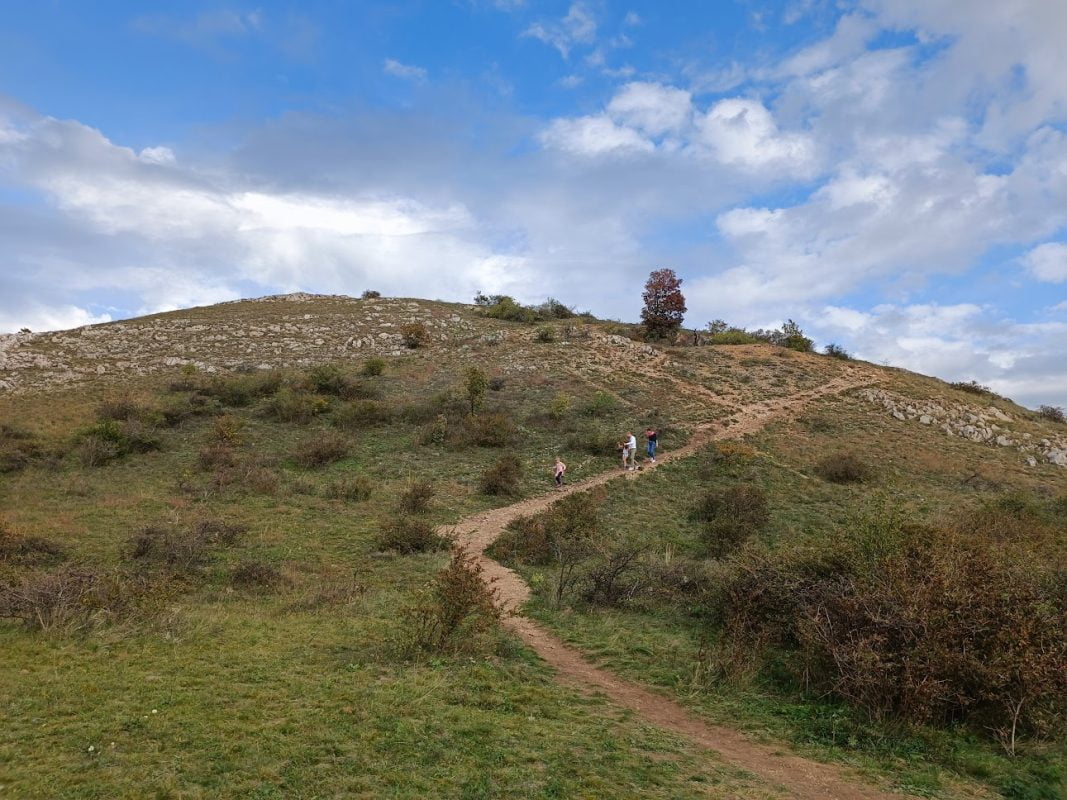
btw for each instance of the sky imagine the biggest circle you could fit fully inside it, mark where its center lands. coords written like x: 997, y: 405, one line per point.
x: 891, y: 174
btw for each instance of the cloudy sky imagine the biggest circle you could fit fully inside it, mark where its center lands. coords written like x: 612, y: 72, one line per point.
x: 890, y: 173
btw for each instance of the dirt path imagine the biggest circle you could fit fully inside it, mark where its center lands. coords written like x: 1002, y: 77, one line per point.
x: 799, y: 777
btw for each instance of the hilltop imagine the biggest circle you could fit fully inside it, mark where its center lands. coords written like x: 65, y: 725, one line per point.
x: 224, y: 557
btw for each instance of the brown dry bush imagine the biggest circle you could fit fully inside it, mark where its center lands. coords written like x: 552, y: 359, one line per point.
x: 416, y: 498
x: 1051, y: 414
x: 843, y: 468
x: 216, y: 456
x: 414, y: 335
x: 71, y: 598
x: 360, y: 414
x: 525, y: 540
x: 329, y: 588
x: 28, y: 551
x: 320, y: 449
x: 407, y: 535
x: 730, y: 516
x: 18, y: 448
x: 453, y: 613
x: 940, y: 625
x: 183, y: 550
x: 292, y: 405
x: 494, y: 429
x: 256, y: 575
x: 503, y: 477
x: 356, y: 489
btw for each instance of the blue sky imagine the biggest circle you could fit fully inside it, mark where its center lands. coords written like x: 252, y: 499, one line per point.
x: 890, y: 173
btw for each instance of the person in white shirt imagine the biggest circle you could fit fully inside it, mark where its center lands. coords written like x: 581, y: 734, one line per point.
x: 630, y: 451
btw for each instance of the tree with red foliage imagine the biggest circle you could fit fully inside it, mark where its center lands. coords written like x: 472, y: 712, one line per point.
x: 664, y: 304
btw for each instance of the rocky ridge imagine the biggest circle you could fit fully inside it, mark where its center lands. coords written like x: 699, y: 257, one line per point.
x: 281, y: 336
x: 984, y: 425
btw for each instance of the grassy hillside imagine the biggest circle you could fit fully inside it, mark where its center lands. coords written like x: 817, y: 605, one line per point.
x: 217, y: 548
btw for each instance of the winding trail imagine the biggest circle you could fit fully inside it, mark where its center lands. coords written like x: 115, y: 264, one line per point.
x: 799, y: 777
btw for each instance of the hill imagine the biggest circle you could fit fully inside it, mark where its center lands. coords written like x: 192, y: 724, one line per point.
x: 224, y: 572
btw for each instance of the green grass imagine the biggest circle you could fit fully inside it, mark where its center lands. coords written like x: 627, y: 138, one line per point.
x: 662, y: 644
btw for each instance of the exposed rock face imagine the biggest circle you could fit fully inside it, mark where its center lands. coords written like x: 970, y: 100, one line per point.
x: 282, y: 334
x: 978, y: 424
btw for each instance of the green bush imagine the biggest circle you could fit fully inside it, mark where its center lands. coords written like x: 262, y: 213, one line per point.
x: 370, y: 294
x: 416, y: 497
x: 731, y: 516
x: 843, y: 468
x: 503, y: 477
x: 600, y: 404
x: 508, y: 309
x: 488, y: 430
x: 373, y: 367
x: 357, y: 489
x: 18, y: 448
x: 104, y: 442
x: 319, y: 449
x: 294, y: 405
x: 836, y: 351
x: 407, y: 535
x: 545, y: 334
x: 931, y: 625
x: 732, y: 337
x: 360, y: 414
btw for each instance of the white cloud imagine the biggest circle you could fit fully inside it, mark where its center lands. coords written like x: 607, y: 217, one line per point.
x: 156, y: 155
x: 576, y: 28
x: 1048, y: 262
x: 594, y: 136
x: 741, y: 132
x: 632, y: 19
x: 48, y: 318
x: 651, y: 107
x: 408, y: 72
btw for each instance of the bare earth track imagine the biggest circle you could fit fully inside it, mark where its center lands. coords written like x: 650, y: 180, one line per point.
x: 799, y: 777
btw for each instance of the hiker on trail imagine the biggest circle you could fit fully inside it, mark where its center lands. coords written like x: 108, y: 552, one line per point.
x: 652, y: 438
x: 558, y: 471
x: 630, y: 449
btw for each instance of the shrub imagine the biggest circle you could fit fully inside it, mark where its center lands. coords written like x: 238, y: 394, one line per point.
x: 594, y: 440
x: 526, y: 540
x: 107, y: 441
x: 356, y: 489
x: 843, y: 468
x: 436, y: 432
x: 732, y: 337
x: 182, y: 549
x: 497, y: 383
x: 407, y: 535
x: 74, y: 598
x: 1051, y: 413
x: 241, y: 390
x: 453, y: 612
x: 370, y: 294
x: 554, y: 309
x: 926, y: 624
x: 256, y: 575
x: 488, y: 430
x: 327, y: 379
x: 359, y: 414
x: 176, y: 410
x: 18, y: 448
x: 731, y: 516
x: 121, y: 409
x: 600, y: 405
x: 545, y: 334
x: 292, y: 405
x: 793, y: 338
x: 373, y: 367
x: 836, y: 351
x: 227, y: 429
x: 414, y: 335
x: 416, y: 498
x: 216, y: 456
x: 27, y: 551
x: 508, y: 309
x: 971, y: 387
x: 560, y: 406
x: 503, y: 477
x: 319, y: 449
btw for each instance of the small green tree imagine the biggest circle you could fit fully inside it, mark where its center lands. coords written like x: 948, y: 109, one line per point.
x: 794, y: 338
x: 477, y: 384
x: 573, y: 527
